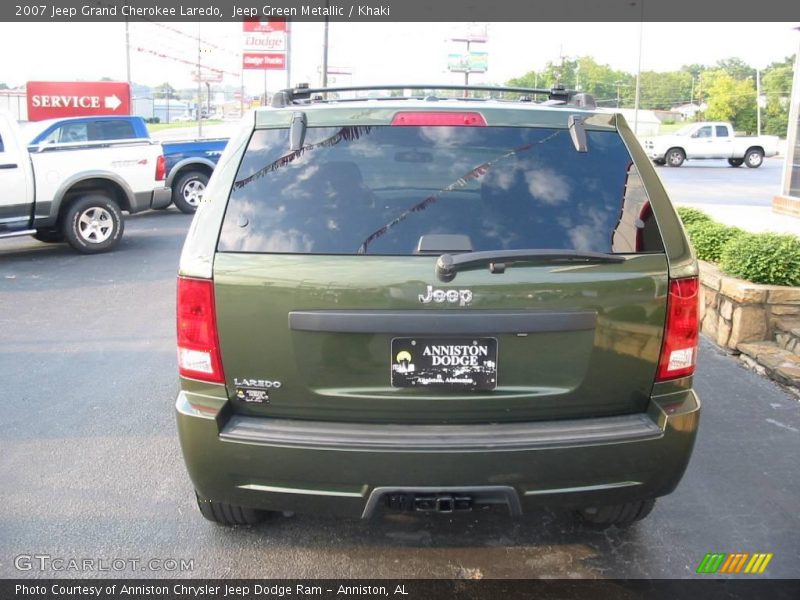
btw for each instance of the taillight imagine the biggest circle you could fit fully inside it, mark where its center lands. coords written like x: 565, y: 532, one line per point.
x: 437, y: 118
x: 161, y: 168
x: 198, y: 345
x: 679, y: 350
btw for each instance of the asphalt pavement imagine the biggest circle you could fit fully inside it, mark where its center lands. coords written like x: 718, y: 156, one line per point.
x: 90, y: 466
x: 740, y: 197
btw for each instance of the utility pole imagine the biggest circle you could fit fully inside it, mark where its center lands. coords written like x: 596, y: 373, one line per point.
x: 325, y: 50
x: 466, y: 71
x: 199, y: 86
x: 288, y: 54
x: 638, y: 74
x: 127, y: 52
x: 758, y: 102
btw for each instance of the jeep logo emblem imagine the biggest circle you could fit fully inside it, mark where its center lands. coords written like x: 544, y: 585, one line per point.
x: 463, y: 297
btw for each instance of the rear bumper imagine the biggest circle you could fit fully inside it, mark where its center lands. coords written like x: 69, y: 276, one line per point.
x: 342, y: 469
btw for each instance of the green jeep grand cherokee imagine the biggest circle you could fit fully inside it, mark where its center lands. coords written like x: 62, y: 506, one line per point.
x: 434, y: 304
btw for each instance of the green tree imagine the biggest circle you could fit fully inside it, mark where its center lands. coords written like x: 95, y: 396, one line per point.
x: 776, y: 85
x: 583, y: 74
x: 729, y: 99
x: 736, y: 68
x: 165, y: 90
x: 665, y: 90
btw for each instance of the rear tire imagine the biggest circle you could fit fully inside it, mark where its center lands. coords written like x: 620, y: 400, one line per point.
x: 675, y: 157
x: 93, y: 224
x: 228, y: 514
x: 188, y: 191
x: 618, y: 514
x: 736, y: 162
x: 754, y: 158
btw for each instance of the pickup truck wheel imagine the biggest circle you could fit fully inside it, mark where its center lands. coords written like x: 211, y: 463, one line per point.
x: 49, y: 236
x: 618, y: 514
x: 93, y: 224
x: 736, y: 162
x: 754, y: 158
x: 188, y: 191
x: 229, y: 514
x: 675, y: 157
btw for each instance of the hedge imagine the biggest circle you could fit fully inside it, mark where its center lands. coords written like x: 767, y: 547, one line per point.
x: 768, y: 258
x: 709, y: 238
x: 692, y: 215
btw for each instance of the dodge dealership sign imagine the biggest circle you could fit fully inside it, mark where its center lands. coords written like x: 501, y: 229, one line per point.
x: 59, y: 99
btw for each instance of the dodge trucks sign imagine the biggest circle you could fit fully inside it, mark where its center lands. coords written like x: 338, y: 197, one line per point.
x: 59, y: 99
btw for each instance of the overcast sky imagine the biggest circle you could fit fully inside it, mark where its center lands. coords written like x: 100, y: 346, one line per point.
x: 374, y: 52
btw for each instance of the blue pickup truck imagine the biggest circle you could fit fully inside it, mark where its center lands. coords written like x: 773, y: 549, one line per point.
x: 189, y: 163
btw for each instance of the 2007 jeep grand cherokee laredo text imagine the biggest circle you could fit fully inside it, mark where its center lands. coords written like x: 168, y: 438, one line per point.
x: 435, y: 304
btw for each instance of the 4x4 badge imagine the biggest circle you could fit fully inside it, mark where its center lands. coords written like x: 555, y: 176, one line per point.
x: 463, y: 297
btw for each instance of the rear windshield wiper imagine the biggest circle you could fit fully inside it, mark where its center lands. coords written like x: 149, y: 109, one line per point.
x: 448, y: 265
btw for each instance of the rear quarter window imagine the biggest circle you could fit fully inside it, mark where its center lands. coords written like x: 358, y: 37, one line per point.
x: 377, y: 190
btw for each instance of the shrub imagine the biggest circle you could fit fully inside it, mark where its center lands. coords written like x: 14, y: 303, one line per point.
x: 768, y: 258
x: 709, y: 238
x: 692, y: 215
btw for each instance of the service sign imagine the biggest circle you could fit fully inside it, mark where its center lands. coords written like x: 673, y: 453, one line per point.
x: 60, y: 99
x: 264, y: 60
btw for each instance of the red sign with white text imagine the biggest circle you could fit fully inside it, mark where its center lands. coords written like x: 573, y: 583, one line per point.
x: 59, y: 99
x: 264, y: 60
x: 265, y: 26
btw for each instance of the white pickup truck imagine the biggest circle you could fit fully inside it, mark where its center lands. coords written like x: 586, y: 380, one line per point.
x: 710, y: 140
x: 76, y: 192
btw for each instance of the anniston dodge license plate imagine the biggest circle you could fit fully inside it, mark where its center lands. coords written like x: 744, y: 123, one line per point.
x: 455, y: 363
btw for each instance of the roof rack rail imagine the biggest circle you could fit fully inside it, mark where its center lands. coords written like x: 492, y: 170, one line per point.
x: 558, y: 94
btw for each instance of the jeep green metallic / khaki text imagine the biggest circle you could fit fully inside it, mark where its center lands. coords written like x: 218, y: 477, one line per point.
x: 430, y: 303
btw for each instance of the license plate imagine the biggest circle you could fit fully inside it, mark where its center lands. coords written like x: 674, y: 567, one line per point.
x: 449, y: 363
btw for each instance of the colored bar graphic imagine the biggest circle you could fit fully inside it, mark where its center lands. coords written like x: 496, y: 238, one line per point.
x: 711, y: 563
x: 720, y: 562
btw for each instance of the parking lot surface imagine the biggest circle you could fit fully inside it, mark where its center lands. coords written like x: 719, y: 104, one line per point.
x: 713, y: 182
x: 90, y: 465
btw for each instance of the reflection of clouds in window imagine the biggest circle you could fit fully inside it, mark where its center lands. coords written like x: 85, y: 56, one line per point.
x: 365, y: 149
x: 276, y: 240
x: 547, y: 186
x: 448, y: 136
x: 592, y: 233
x: 297, y: 189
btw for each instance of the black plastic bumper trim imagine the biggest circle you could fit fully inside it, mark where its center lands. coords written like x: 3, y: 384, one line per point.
x: 431, y: 438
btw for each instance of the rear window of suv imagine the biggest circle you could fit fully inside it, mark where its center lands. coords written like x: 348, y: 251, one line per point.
x: 378, y: 190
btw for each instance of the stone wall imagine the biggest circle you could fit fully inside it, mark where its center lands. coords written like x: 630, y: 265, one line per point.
x: 734, y: 311
x: 786, y: 205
